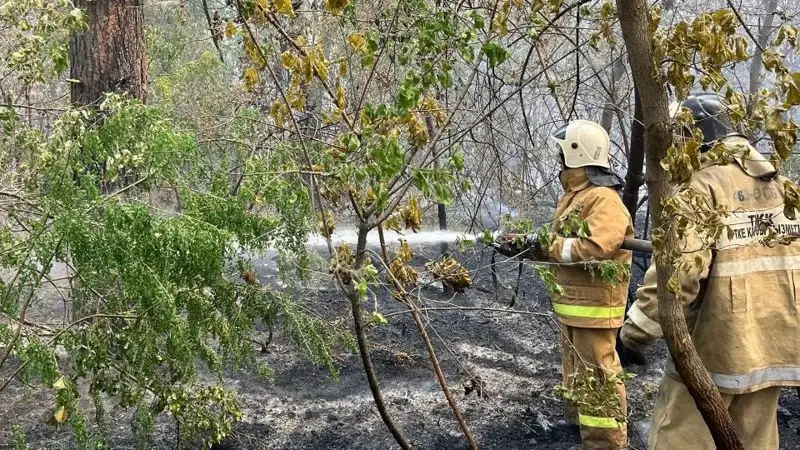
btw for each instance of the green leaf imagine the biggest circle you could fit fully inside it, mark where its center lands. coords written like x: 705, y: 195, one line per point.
x: 435, y: 184
x: 381, y: 196
x: 8, y: 117
x: 457, y: 159
x: 496, y: 53
x: 410, y: 92
x: 369, y: 272
x: 477, y: 20
x: 367, y: 60
x: 352, y: 142
x: 378, y: 318
x: 549, y: 279
x: 389, y: 158
x: 362, y: 289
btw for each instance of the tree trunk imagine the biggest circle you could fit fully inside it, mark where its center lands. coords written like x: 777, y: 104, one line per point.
x: 634, y: 178
x: 617, y: 71
x: 634, y: 21
x: 757, y: 63
x: 441, y: 211
x: 363, y: 348
x: 110, y: 55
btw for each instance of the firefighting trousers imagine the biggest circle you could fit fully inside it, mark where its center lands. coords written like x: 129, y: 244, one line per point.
x: 677, y: 422
x: 594, y: 348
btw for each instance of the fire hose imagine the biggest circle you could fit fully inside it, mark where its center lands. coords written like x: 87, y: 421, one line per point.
x: 638, y: 245
x: 635, y: 245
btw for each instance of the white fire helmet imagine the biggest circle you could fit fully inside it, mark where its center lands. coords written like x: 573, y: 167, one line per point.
x: 583, y: 143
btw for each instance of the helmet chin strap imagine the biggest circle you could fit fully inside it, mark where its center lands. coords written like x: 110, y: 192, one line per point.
x: 563, y: 160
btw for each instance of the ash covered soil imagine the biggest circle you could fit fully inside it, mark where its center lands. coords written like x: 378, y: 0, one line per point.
x: 515, y: 354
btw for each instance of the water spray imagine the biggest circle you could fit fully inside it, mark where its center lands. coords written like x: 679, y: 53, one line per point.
x: 439, y: 236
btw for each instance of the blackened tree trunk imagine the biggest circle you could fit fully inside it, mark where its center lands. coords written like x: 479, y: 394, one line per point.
x: 634, y: 178
x: 110, y: 55
x: 634, y: 21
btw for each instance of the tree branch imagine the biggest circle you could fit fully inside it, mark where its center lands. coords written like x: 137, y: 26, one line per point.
x: 214, y: 37
x: 577, y: 63
x: 746, y: 28
x: 413, y: 309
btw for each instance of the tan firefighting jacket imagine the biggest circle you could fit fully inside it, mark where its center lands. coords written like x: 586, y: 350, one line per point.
x: 587, y: 301
x: 742, y: 304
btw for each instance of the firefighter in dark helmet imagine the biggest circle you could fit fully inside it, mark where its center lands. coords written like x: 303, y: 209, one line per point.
x: 742, y: 304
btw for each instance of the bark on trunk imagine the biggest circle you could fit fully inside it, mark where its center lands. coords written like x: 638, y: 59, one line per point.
x: 757, y: 63
x: 634, y: 21
x: 441, y: 212
x: 363, y: 348
x: 617, y: 71
x: 634, y: 178
x: 110, y: 55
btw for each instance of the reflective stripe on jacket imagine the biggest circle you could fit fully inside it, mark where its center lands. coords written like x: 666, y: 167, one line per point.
x: 587, y: 301
x: 746, y: 326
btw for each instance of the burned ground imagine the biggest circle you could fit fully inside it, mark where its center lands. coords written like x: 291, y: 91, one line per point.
x: 516, y: 355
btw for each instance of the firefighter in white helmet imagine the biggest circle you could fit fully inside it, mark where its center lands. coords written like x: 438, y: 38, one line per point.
x: 590, y: 310
x: 742, y: 304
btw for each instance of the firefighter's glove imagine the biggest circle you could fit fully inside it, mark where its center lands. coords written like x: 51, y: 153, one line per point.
x: 630, y: 357
x: 511, y: 245
x: 630, y: 351
x: 506, y: 248
x: 533, y: 243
